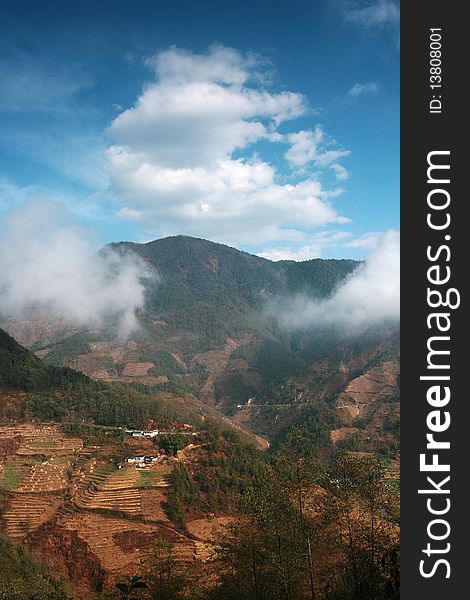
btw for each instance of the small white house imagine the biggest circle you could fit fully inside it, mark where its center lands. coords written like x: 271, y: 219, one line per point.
x: 150, y: 434
x: 146, y: 434
x: 136, y: 459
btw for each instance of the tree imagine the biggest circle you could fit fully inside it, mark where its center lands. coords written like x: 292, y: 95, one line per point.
x: 131, y: 584
x: 171, y: 443
x: 363, y: 507
x: 312, y: 532
x: 166, y: 580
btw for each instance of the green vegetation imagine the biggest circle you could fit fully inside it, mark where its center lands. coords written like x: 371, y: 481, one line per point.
x: 272, y: 359
x: 165, y: 363
x: 70, y: 347
x: 203, y: 293
x: 182, y: 495
x: 59, y: 393
x: 23, y: 370
x: 147, y: 478
x: 92, y: 435
x: 313, y: 523
x: 106, y: 404
x: 11, y: 477
x: 22, y: 578
x: 14, y: 471
x: 215, y: 291
x: 306, y: 532
x: 300, y: 540
x: 313, y: 427
x: 129, y: 585
x: 171, y: 444
x: 159, y: 567
x: 225, y: 470
x: 221, y: 473
x: 63, y: 395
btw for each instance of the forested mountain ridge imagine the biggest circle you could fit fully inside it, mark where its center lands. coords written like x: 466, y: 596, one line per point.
x: 205, y: 331
x: 215, y: 290
x: 33, y: 389
x: 205, y: 349
x: 202, y: 268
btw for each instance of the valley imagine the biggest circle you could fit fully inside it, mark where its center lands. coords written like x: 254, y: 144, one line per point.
x: 247, y: 423
x: 208, y: 332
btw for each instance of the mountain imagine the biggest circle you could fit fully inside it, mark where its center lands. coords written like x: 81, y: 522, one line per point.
x: 348, y: 398
x: 70, y: 495
x: 195, y: 273
x: 209, y: 367
x: 206, y: 332
x: 30, y: 389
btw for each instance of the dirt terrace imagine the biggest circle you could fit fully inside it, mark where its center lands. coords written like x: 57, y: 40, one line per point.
x: 52, y: 481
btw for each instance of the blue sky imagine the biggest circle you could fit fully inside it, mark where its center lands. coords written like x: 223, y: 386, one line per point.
x: 270, y: 126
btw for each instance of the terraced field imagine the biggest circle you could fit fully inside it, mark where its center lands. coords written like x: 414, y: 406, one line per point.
x: 48, y: 476
x: 114, y: 507
x: 14, y: 470
x: 37, y: 474
x: 127, y: 489
x: 98, y: 532
x: 28, y: 511
x: 40, y: 439
x: 119, y: 543
x: 152, y: 501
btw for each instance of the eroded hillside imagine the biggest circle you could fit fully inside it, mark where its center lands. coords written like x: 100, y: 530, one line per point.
x: 92, y: 509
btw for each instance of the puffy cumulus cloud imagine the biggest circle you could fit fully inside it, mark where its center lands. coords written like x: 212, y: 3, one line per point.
x: 369, y: 296
x: 48, y: 263
x: 182, y: 159
x: 311, y: 147
x: 362, y: 89
x: 229, y: 201
x: 200, y: 110
x: 220, y: 64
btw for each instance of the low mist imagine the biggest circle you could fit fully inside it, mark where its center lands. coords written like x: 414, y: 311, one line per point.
x: 49, y: 264
x: 369, y: 296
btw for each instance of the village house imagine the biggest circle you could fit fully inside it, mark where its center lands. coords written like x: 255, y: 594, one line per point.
x: 139, y: 433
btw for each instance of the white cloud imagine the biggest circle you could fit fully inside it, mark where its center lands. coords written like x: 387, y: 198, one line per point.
x: 231, y: 201
x: 221, y: 64
x: 287, y: 253
x: 373, y: 14
x: 199, y: 110
x: 370, y: 295
x: 367, y: 240
x: 182, y: 159
x: 341, y: 173
x: 314, y: 249
x: 48, y: 263
x: 303, y: 146
x: 311, y: 147
x: 362, y: 89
